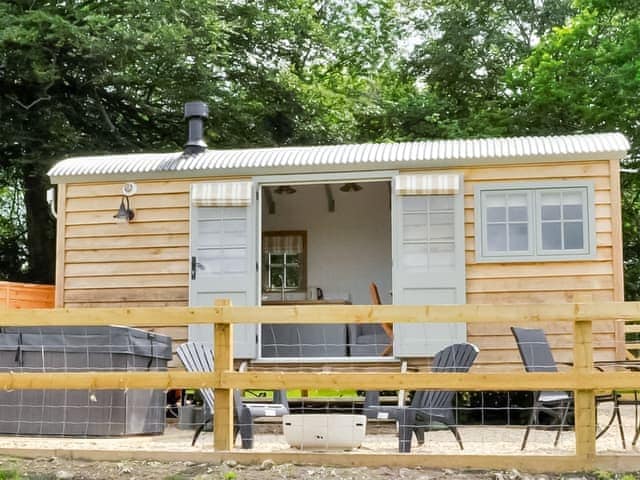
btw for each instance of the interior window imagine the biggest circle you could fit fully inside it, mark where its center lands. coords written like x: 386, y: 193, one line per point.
x: 283, y: 255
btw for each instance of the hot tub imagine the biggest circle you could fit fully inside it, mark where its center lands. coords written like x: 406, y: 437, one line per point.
x: 82, y: 412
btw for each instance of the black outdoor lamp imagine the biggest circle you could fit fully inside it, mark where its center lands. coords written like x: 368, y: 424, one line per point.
x: 125, y: 213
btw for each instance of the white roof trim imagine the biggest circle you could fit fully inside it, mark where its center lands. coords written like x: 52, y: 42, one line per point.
x: 263, y: 161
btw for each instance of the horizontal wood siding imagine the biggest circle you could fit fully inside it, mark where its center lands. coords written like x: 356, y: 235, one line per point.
x: 26, y: 295
x: 142, y: 263
x: 541, y: 282
x: 146, y: 262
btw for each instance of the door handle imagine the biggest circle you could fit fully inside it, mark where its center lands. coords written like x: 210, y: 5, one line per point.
x: 193, y: 267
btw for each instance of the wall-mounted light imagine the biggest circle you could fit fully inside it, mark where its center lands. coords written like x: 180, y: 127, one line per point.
x: 125, y: 212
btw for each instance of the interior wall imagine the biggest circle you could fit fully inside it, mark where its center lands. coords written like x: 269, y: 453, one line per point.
x: 346, y: 249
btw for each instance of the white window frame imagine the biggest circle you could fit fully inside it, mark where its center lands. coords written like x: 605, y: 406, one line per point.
x: 535, y: 253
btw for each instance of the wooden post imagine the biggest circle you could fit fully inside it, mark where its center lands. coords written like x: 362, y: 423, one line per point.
x: 223, y: 405
x: 584, y: 401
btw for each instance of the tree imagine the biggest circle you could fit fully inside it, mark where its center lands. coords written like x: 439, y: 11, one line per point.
x: 585, y: 77
x: 95, y: 76
x: 462, y: 50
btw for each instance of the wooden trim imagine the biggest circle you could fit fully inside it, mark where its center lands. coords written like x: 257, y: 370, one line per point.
x: 60, y: 244
x: 275, y: 380
x: 616, y: 231
x: 516, y: 314
x: 617, y: 258
x: 527, y: 463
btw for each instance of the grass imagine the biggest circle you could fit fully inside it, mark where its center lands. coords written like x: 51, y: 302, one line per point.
x: 10, y: 475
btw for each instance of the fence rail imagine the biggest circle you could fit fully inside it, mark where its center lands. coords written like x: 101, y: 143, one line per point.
x: 583, y: 379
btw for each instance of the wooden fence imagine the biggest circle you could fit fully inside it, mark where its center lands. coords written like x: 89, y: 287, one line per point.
x: 26, y: 295
x: 583, y: 379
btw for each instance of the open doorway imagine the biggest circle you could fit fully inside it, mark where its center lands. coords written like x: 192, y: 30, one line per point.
x: 324, y: 244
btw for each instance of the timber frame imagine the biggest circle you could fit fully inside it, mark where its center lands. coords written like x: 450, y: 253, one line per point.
x: 583, y: 379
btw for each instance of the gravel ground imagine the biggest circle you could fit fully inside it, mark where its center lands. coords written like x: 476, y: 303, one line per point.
x: 380, y: 439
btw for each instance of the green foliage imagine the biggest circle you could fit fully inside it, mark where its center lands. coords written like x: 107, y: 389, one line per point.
x: 10, y: 474
x: 96, y: 77
x: 585, y: 77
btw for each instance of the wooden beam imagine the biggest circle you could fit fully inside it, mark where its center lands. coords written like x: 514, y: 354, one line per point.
x: 223, y: 406
x: 526, y: 463
x: 584, y: 398
x: 316, y: 380
x: 331, y: 203
x: 520, y: 314
x: 617, y: 257
x: 269, y: 199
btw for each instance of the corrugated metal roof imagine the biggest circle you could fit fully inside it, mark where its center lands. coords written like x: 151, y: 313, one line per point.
x: 439, y: 153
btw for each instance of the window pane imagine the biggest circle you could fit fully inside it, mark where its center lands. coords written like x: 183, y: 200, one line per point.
x: 496, y: 214
x: 442, y: 255
x: 277, y: 259
x: 552, y: 236
x: 572, y: 212
x: 293, y: 259
x: 441, y: 226
x: 572, y: 197
x: 415, y: 256
x: 414, y: 226
x: 415, y: 203
x: 495, y: 200
x: 551, y: 198
x: 518, y: 237
x: 573, y: 236
x: 517, y: 200
x: 293, y: 277
x: 496, y: 238
x: 441, y: 202
x: 551, y: 212
x: 276, y: 277
x: 518, y: 214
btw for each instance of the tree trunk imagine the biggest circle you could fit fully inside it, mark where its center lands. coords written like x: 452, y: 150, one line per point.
x: 41, y: 229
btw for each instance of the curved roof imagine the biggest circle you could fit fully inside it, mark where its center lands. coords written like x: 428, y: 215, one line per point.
x: 436, y: 153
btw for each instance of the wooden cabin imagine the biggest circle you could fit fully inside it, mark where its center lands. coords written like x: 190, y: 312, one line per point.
x: 503, y: 220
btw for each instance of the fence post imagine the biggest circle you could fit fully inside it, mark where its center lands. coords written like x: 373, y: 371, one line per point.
x: 584, y: 401
x: 223, y: 362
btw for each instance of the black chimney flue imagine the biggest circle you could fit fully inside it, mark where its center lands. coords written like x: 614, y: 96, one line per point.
x: 195, y: 112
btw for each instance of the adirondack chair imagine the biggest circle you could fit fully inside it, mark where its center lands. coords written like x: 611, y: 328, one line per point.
x: 198, y: 357
x: 429, y: 409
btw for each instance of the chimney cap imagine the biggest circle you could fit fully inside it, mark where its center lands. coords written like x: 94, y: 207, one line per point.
x: 196, y: 109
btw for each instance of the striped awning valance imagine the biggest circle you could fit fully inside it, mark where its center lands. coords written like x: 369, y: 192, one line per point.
x: 427, y: 184
x: 221, y: 194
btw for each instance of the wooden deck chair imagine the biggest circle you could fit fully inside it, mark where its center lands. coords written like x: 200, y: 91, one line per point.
x: 198, y: 357
x: 429, y: 409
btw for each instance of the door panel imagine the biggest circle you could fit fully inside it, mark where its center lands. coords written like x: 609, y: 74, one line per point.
x: 224, y: 267
x: 429, y: 268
